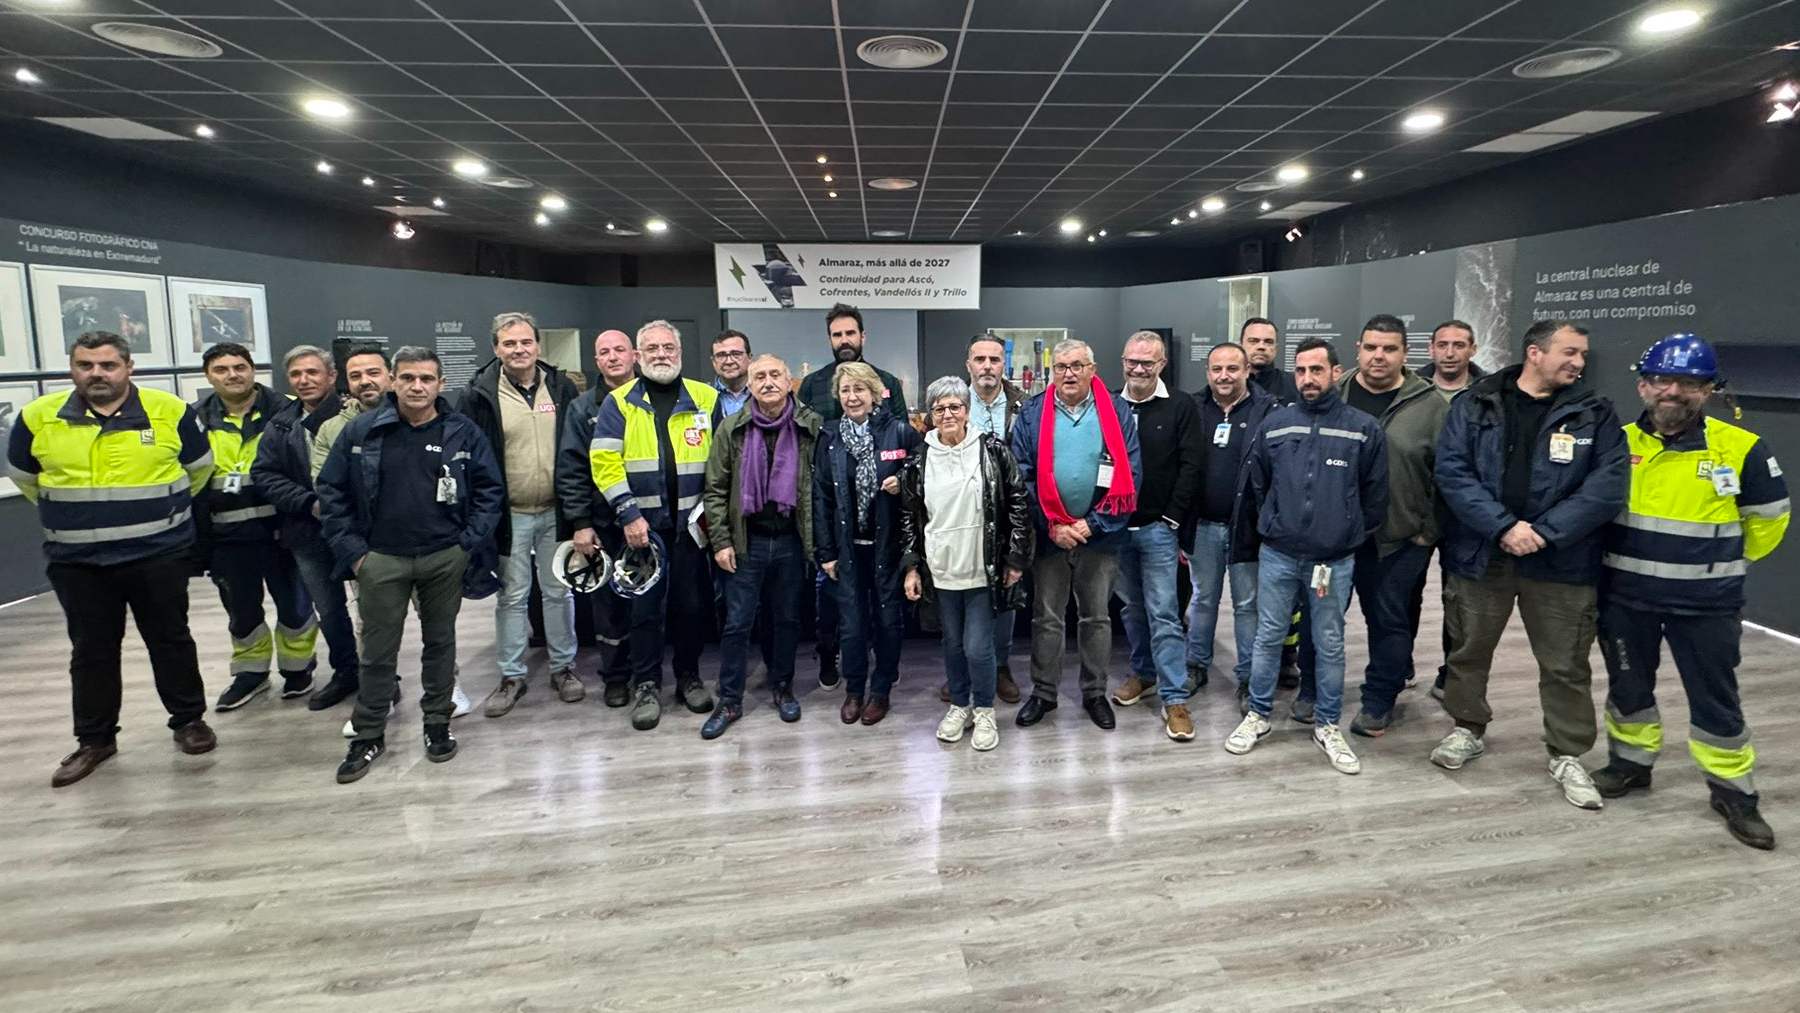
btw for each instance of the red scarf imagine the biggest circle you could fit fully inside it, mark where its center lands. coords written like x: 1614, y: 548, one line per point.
x: 1121, y: 495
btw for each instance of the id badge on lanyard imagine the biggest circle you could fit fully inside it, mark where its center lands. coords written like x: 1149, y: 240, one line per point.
x: 446, y: 488
x: 234, y: 482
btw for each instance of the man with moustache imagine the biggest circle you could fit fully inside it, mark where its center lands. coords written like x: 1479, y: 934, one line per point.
x: 759, y: 523
x: 1452, y: 367
x: 1532, y: 464
x: 1707, y: 498
x: 113, y: 469
x: 731, y: 373
x: 818, y: 391
x: 615, y: 361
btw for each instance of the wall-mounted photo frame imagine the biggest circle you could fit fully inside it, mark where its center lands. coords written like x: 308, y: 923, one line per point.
x: 191, y: 386
x: 14, y: 396
x: 68, y: 302
x: 207, y: 312
x: 15, y: 321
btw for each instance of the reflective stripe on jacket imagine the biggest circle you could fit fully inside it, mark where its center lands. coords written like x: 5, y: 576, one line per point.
x: 235, y: 510
x: 627, y: 461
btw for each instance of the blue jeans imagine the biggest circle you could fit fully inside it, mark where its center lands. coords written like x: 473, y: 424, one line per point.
x: 869, y: 612
x: 1279, y: 577
x: 1004, y: 625
x: 771, y: 571
x: 314, y: 561
x: 1208, y: 566
x: 532, y: 534
x: 1147, y: 585
x: 968, y: 619
x: 1385, y: 586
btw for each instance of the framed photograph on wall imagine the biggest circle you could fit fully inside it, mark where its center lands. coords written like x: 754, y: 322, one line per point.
x: 191, y: 386
x: 68, y: 302
x: 15, y: 321
x: 14, y: 396
x: 208, y: 312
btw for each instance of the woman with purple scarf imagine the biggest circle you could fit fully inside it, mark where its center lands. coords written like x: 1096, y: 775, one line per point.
x: 759, y: 522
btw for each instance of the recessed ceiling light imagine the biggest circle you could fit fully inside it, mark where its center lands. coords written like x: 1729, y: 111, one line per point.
x: 437, y: 202
x: 821, y: 159
x: 1567, y: 63
x: 368, y: 181
x: 1090, y: 237
x: 1422, y: 121
x: 1213, y: 205
x: 1018, y: 232
x: 1782, y: 114
x: 1257, y: 186
x: 541, y: 218
x: 901, y: 52
x: 1102, y: 233
x: 1669, y: 20
x: 1193, y: 213
x: 888, y: 233
x: 609, y: 226
x: 657, y: 225
x: 323, y: 167
x: 507, y: 182
x: 204, y: 131
x: 1264, y: 206
x: 831, y: 193
x: 1787, y: 93
x: 469, y: 167
x: 553, y: 202
x: 1357, y: 175
x: 24, y: 76
x: 827, y: 177
x: 402, y: 230
x: 157, y: 39
x: 892, y: 183
x: 326, y: 108
x: 1175, y: 221
x: 626, y: 232
x: 1070, y: 226
x: 1291, y: 173
x: 1142, y: 233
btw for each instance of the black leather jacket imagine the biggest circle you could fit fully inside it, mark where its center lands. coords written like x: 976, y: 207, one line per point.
x: 1007, y: 538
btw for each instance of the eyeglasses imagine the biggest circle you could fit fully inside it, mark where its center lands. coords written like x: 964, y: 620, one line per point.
x: 1142, y: 365
x: 1687, y: 384
x: 1069, y: 368
x: 731, y: 355
x: 953, y: 408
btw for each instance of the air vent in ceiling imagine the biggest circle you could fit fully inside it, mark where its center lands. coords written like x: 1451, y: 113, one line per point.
x: 1304, y: 209
x: 1567, y: 63
x: 1142, y: 233
x: 507, y: 182
x: 892, y: 183
x: 888, y: 233
x: 113, y: 128
x: 901, y: 52
x: 1257, y: 187
x: 157, y: 39
x: 623, y: 232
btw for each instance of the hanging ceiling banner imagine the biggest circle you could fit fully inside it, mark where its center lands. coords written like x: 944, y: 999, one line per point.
x: 813, y: 276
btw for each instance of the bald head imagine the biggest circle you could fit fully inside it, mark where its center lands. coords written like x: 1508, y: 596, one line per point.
x: 614, y: 357
x: 769, y: 383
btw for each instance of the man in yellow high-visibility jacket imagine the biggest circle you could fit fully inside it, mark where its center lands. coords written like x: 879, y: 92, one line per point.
x: 1706, y: 498
x: 113, y: 468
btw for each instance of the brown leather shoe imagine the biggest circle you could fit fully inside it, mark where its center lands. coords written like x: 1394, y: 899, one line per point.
x: 851, y: 711
x: 195, y: 738
x: 81, y: 763
x: 1178, y: 724
x: 1004, y: 686
x: 1132, y: 690
x: 874, y: 710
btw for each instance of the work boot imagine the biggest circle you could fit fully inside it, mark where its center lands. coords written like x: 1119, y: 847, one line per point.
x: 1620, y: 777
x: 1742, y: 819
x: 1004, y: 686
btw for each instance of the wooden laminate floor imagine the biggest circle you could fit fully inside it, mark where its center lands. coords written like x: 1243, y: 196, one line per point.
x: 564, y: 861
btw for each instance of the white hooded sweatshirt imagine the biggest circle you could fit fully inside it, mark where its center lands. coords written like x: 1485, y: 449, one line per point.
x: 953, y: 527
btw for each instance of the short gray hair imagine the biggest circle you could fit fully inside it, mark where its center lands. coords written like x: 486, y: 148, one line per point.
x: 512, y: 318
x: 1150, y: 337
x: 418, y: 353
x: 658, y: 325
x: 1068, y: 345
x: 299, y: 352
x: 946, y: 386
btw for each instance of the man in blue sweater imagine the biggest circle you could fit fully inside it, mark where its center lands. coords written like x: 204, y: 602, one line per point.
x: 1313, y: 489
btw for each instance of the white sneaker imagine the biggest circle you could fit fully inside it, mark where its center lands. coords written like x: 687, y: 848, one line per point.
x: 987, y: 733
x: 1247, y: 734
x: 956, y: 721
x: 1330, y: 739
x: 460, y: 701
x: 1577, y: 786
x: 1457, y: 748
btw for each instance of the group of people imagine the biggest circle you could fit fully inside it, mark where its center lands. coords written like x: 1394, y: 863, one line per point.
x: 733, y: 500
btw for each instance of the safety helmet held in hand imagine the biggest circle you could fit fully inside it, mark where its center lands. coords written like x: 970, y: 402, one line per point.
x: 636, y: 571
x: 1680, y: 355
x: 579, y: 572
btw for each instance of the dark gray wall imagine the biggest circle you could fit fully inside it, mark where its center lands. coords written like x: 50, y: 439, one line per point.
x: 1091, y: 314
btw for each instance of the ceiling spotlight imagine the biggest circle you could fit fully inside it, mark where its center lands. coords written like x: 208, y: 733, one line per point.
x: 326, y: 108
x: 1291, y: 173
x: 324, y: 167
x: 1175, y: 221
x: 469, y: 167
x: 368, y: 181
x: 1264, y: 206
x: 1357, y: 175
x: 827, y: 177
x: 24, y: 76
x: 402, y: 230
x: 205, y: 132
x: 1213, y: 205
x: 541, y: 218
x: 821, y: 160
x: 831, y: 193
x: 553, y: 202
x: 609, y: 226
x: 437, y: 202
x: 1293, y: 234
x: 657, y: 225
x: 1090, y: 237
x: 1782, y: 113
x: 888, y: 233
x: 1018, y: 232
x: 1787, y: 93
x: 1423, y: 121
x: 1070, y: 226
x: 1669, y: 20
x: 1193, y: 213
x: 1102, y: 233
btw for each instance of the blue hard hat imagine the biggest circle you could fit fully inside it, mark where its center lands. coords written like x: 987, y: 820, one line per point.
x: 1680, y: 355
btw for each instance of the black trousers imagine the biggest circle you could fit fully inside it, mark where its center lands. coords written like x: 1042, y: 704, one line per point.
x: 94, y: 600
x: 680, y: 604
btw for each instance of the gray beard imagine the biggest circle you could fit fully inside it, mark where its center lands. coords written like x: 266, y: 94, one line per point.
x: 661, y: 374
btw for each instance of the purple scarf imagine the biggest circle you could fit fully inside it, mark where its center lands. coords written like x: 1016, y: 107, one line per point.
x: 780, y: 483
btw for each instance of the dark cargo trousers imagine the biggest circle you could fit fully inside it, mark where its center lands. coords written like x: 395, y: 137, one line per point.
x: 385, y: 586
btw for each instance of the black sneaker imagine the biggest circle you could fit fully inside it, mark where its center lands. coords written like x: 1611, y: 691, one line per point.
x: 242, y: 690
x: 296, y: 684
x: 1196, y: 678
x: 440, y: 745
x: 828, y: 671
x: 338, y: 688
x: 1243, y: 697
x: 618, y: 694
x: 363, y: 753
x: 1290, y: 668
x: 1742, y: 819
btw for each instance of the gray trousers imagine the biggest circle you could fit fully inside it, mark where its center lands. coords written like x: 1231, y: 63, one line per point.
x: 385, y: 586
x: 1089, y: 574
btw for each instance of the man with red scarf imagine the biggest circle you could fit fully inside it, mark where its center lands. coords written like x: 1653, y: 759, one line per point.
x: 758, y: 498
x: 1077, y: 448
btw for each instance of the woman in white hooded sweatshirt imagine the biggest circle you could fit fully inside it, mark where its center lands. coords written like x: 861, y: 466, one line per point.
x: 966, y: 540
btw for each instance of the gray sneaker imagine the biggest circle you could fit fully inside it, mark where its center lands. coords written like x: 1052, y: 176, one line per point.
x: 1458, y: 748
x: 1373, y: 726
x: 694, y: 693
x: 1301, y: 711
x: 567, y: 685
x: 646, y: 710
x: 501, y: 700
